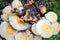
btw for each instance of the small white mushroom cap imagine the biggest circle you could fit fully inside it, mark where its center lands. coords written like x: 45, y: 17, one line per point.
x: 34, y: 29
x: 7, y: 31
x: 51, y: 16
x: 16, y: 4
x: 7, y: 9
x: 24, y: 36
x: 56, y: 28
x: 17, y: 22
x: 43, y: 28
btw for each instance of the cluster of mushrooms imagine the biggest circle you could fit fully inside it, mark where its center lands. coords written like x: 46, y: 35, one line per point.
x: 15, y: 27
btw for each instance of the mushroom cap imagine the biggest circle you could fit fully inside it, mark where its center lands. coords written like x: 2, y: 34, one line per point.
x: 42, y: 9
x: 16, y: 4
x: 56, y: 28
x: 23, y: 36
x: 51, y: 16
x: 34, y: 29
x: 17, y: 22
x: 43, y: 28
x: 7, y: 31
x: 7, y: 9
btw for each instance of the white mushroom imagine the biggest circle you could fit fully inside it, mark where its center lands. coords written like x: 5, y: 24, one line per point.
x: 6, y: 12
x: 56, y: 28
x: 16, y: 4
x: 34, y: 29
x: 43, y: 28
x: 24, y: 36
x: 51, y: 16
x: 7, y: 31
x: 17, y: 22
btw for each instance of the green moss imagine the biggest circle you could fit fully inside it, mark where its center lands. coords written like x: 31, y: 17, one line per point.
x: 4, y: 2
